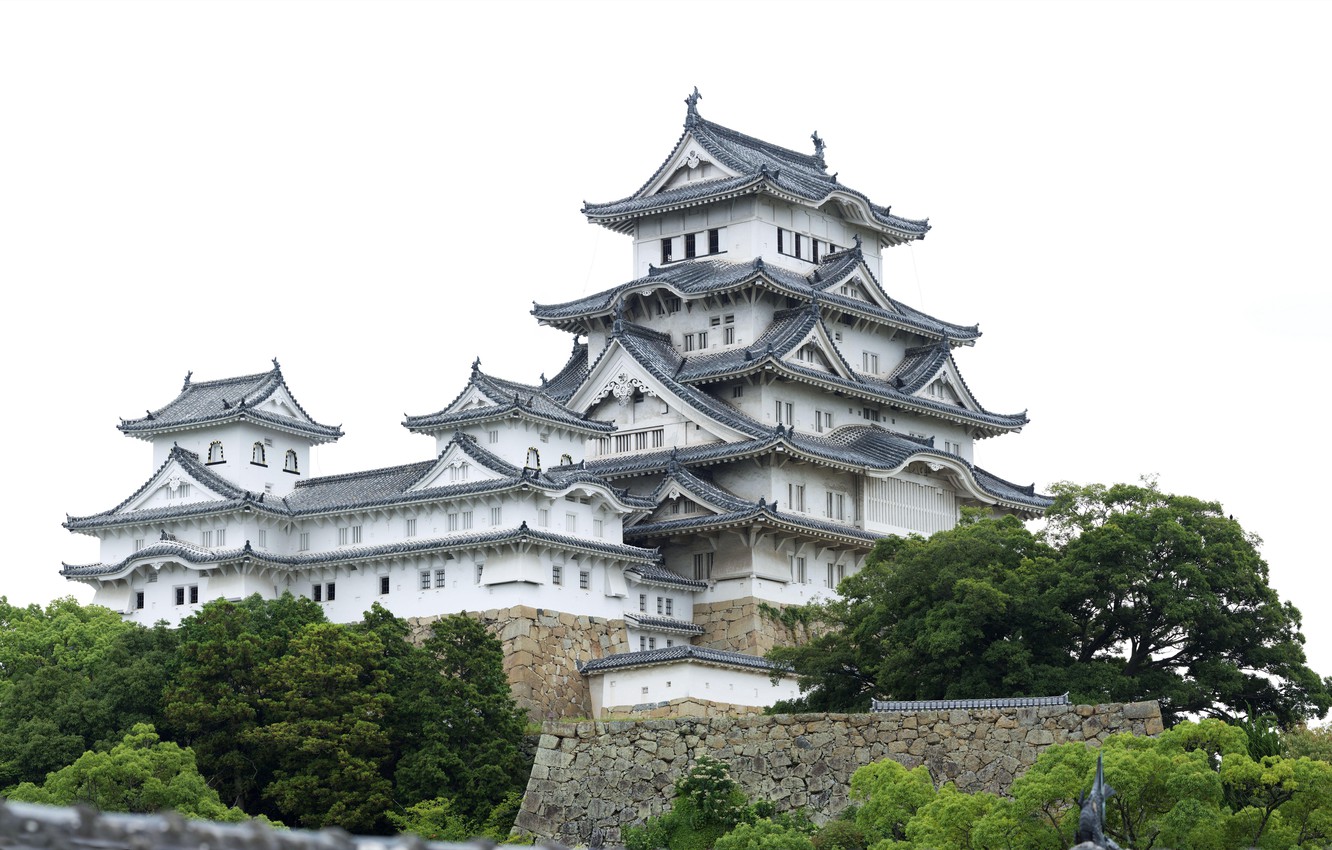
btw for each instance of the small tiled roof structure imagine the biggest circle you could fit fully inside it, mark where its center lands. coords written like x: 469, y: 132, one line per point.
x: 679, y: 652
x: 756, y: 167
x: 513, y: 399
x: 205, y: 403
x: 945, y: 704
x: 663, y: 624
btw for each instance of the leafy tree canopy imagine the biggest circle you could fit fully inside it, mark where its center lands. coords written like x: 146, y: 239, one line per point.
x: 142, y: 773
x: 1129, y: 594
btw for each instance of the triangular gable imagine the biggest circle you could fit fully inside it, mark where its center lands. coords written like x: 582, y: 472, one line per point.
x: 454, y: 466
x: 617, y: 376
x: 688, y: 163
x: 817, y: 350
x: 947, y: 387
x: 860, y: 285
x: 173, y: 486
x: 280, y: 403
x: 472, y: 398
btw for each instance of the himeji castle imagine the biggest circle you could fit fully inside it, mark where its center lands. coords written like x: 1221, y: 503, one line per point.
x: 736, y: 425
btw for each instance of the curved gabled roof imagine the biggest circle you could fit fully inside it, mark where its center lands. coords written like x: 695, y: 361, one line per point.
x: 199, y: 556
x: 864, y: 448
x: 205, y: 403
x: 232, y: 497
x: 697, y: 278
x: 510, y: 398
x: 755, y: 166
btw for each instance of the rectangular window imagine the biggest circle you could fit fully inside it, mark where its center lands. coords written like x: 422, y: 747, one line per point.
x: 543, y: 518
x: 665, y: 251
x: 480, y: 572
x: 409, y: 527
x: 330, y: 591
x: 263, y: 538
x: 453, y: 522
x: 642, y: 602
x: 356, y: 534
x: 439, y: 578
x: 870, y: 413
x: 738, y: 391
x: 383, y: 585
x: 870, y: 361
x: 796, y: 251
x: 688, y: 342
x: 317, y: 593
x: 152, y: 577
x: 661, y: 605
x: 194, y: 593
x: 466, y: 519
x: 837, y: 506
x: 180, y: 595
x: 494, y: 437
x: 206, y: 538
x: 714, y: 241
x: 690, y: 253
x: 305, y: 541
x: 571, y: 523
x: 670, y: 607
x: 598, y: 528
x: 781, y: 240
x: 798, y: 574
x: 669, y: 644
x: 814, y: 250
x: 703, y: 566
x: 702, y: 339
x: 425, y: 579
x: 714, y: 322
x: 728, y: 335
x: 496, y: 516
x: 584, y: 580
x: 642, y: 644
x: 784, y: 412
x: 652, y: 643
x: 344, y: 535
x: 795, y: 497
x: 138, y: 543
x: 557, y: 574
x: 673, y: 304
x: 138, y: 600
x: 184, y: 491
x: 221, y: 537
x: 823, y: 421
x: 831, y: 581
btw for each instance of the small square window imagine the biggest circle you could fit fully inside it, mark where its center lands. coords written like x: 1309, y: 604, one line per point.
x: 584, y: 580
x: 410, y: 527
x: 194, y: 594
x: 317, y: 593
x: 305, y: 541
x: 439, y: 578
x: 425, y: 579
x: 331, y: 593
x: 557, y: 574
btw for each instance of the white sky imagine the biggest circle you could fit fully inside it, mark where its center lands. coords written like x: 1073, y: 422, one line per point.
x: 1131, y: 199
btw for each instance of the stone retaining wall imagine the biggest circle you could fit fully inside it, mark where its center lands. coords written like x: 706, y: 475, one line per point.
x: 541, y: 651
x: 735, y: 624
x: 590, y: 779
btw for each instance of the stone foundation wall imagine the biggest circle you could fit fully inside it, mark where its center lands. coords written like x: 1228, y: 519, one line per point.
x: 591, y: 779
x: 737, y: 625
x: 682, y: 707
x: 541, y: 651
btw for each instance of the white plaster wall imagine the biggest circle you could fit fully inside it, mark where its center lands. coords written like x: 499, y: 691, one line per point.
x: 238, y: 438
x: 662, y: 682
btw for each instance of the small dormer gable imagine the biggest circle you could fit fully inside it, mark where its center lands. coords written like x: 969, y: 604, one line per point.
x: 690, y: 163
x: 817, y: 350
x: 172, y: 487
x: 457, y: 465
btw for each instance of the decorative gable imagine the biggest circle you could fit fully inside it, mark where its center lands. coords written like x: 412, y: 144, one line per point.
x: 690, y: 163
x: 455, y: 466
x: 172, y: 487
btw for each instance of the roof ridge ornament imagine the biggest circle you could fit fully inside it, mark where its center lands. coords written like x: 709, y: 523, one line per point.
x: 819, y: 145
x: 476, y: 364
x: 188, y: 375
x: 691, y: 117
x: 277, y: 367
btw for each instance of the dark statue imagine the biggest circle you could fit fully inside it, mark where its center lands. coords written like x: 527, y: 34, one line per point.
x: 1091, y: 820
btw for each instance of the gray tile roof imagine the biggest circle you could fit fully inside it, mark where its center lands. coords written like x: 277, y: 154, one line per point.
x: 638, y: 556
x: 351, y: 491
x: 658, y: 574
x: 663, y: 624
x: 692, y: 279
x: 682, y: 652
x: 944, y: 704
x: 760, y: 167
x: 210, y: 402
x: 510, y: 398
x: 863, y: 447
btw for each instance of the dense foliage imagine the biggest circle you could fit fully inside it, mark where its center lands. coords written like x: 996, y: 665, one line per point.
x: 1196, y: 787
x: 266, y: 704
x: 1128, y: 594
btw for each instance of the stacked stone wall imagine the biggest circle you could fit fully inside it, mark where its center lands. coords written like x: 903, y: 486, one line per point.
x: 737, y: 625
x: 681, y: 707
x: 591, y: 779
x: 541, y: 651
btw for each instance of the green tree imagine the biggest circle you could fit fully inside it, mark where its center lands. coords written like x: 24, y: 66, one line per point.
x: 461, y: 732
x: 73, y: 678
x: 764, y: 834
x: 708, y: 803
x: 1170, y: 601
x: 325, y: 729
x: 1130, y: 594
x: 215, y: 700
x: 142, y: 773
